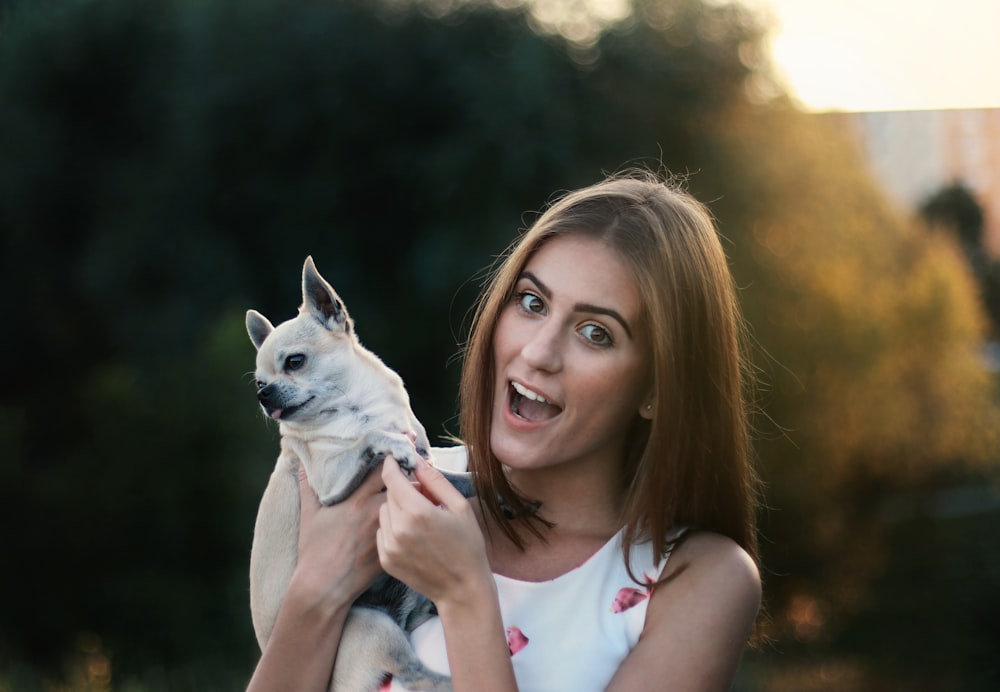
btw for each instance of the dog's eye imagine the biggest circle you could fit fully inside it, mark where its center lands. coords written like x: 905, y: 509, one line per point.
x: 294, y: 362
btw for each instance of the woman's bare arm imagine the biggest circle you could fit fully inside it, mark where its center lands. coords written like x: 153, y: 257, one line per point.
x: 698, y: 623
x: 302, y: 648
x: 337, y: 560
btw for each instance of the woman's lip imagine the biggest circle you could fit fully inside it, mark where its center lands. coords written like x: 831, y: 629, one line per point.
x: 515, y: 421
x: 545, y: 397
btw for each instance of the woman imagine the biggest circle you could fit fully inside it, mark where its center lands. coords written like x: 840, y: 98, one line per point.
x: 612, y: 545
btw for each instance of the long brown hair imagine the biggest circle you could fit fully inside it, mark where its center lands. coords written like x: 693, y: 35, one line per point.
x: 691, y: 464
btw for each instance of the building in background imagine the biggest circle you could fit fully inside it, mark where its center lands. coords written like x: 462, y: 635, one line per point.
x: 917, y: 153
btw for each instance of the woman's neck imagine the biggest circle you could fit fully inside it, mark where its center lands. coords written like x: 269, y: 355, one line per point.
x: 575, y: 503
x: 584, y: 516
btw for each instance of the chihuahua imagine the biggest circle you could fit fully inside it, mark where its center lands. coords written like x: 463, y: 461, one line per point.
x: 340, y: 412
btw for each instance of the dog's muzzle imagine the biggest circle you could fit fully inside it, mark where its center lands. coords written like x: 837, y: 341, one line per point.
x: 267, y: 394
x: 274, y: 404
x: 270, y: 399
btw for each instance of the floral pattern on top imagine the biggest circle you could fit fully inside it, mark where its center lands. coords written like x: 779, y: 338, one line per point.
x: 515, y: 640
x: 590, y: 618
x: 629, y: 596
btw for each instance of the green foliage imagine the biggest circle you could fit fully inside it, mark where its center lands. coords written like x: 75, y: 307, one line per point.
x: 167, y: 164
x: 955, y: 211
x: 870, y: 337
x: 955, y: 208
x: 940, y: 578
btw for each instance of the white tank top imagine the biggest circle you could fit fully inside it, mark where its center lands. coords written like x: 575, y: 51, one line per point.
x: 570, y: 633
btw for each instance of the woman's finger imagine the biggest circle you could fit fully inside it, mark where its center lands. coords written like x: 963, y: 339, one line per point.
x: 384, y: 531
x: 438, y: 489
x: 308, y: 500
x: 398, y: 487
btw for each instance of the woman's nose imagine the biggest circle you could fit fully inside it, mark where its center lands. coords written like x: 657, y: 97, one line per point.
x: 542, y: 350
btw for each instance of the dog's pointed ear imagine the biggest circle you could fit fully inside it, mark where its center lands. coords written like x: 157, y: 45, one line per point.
x: 258, y: 327
x: 322, y: 302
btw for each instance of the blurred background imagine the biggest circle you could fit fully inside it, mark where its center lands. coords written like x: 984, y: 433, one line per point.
x: 167, y: 164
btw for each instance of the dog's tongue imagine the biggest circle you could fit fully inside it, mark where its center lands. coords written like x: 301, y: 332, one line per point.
x: 276, y: 413
x: 535, y: 410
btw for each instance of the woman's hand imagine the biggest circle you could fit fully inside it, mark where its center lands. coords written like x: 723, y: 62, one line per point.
x: 338, y: 558
x: 337, y: 561
x: 429, y: 537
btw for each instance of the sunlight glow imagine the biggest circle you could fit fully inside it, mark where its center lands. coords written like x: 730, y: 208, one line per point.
x: 859, y: 55
x: 851, y: 55
x: 580, y: 21
x: 827, y: 70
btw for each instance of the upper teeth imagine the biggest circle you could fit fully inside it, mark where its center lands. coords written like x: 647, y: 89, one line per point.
x: 527, y: 393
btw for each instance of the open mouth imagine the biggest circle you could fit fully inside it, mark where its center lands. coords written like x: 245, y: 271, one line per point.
x: 288, y: 411
x: 529, y: 405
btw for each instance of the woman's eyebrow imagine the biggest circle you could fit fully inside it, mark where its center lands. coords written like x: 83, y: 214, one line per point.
x: 580, y: 307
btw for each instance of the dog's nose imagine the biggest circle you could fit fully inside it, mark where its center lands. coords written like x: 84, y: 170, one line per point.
x: 264, y: 392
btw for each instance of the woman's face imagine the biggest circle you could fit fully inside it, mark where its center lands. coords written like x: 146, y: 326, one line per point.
x: 571, y: 359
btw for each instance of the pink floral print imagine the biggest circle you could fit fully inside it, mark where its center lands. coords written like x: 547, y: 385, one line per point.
x: 515, y: 640
x: 629, y: 596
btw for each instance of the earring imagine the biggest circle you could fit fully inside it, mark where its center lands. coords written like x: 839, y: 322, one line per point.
x: 649, y: 407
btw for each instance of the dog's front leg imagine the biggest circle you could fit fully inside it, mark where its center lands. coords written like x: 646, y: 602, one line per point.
x: 341, y: 473
x: 275, y: 541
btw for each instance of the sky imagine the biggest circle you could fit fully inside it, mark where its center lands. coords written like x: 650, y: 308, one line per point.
x: 861, y: 55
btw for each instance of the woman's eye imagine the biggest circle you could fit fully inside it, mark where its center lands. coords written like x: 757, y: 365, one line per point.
x: 529, y: 302
x: 294, y: 362
x: 596, y: 334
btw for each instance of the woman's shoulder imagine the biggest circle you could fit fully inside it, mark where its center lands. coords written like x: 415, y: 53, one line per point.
x: 707, y: 552
x: 715, y: 561
x: 700, y: 616
x: 709, y: 575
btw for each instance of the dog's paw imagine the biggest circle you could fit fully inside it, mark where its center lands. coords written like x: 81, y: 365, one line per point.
x: 397, y: 445
x: 420, y: 448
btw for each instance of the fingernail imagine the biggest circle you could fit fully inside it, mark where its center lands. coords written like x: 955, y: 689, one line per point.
x: 422, y: 463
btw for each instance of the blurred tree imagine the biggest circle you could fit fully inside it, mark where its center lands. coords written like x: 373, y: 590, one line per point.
x: 937, y: 599
x: 870, y: 338
x: 955, y: 210
x: 166, y: 165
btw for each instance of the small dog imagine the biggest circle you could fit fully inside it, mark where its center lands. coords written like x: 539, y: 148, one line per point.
x: 340, y: 411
